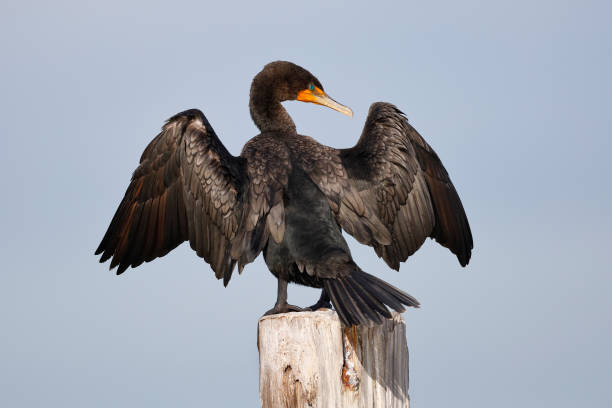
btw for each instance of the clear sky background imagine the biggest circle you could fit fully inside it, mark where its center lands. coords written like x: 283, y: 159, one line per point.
x: 515, y: 97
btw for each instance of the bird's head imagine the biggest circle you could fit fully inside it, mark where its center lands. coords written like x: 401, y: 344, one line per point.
x: 284, y: 81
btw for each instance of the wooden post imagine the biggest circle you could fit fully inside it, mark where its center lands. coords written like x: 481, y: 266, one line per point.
x: 307, y: 360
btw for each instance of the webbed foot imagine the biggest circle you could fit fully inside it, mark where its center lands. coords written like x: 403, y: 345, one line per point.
x: 321, y: 304
x: 283, y: 308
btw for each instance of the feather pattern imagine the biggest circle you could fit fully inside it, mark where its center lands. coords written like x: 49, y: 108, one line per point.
x: 188, y: 187
x: 390, y: 191
x: 404, y: 182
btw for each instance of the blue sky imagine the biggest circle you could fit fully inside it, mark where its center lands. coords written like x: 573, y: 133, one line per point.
x: 514, y: 97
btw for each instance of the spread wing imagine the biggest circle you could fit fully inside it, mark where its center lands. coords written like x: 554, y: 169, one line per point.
x: 391, y: 191
x: 187, y: 187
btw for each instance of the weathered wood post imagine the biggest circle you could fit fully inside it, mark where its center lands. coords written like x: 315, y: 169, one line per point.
x: 307, y: 360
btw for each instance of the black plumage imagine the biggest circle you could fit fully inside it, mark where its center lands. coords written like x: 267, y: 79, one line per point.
x: 289, y: 196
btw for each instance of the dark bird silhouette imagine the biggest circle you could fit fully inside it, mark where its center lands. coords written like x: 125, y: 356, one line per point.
x: 289, y: 196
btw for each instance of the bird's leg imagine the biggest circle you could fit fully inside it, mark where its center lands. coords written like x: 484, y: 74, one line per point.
x: 281, y: 305
x: 322, y: 303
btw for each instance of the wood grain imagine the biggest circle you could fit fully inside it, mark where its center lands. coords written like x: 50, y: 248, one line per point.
x: 308, y: 360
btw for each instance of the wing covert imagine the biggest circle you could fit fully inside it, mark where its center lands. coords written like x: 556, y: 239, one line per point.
x: 187, y: 187
x: 400, y: 177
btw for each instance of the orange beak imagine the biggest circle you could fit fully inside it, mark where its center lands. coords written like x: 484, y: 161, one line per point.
x: 320, y: 98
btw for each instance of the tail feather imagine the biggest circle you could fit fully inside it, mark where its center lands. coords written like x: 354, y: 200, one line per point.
x: 386, y: 297
x: 360, y: 298
x: 352, y: 306
x: 364, y: 313
x: 399, y: 295
x: 372, y: 301
x: 345, y: 317
x: 366, y: 306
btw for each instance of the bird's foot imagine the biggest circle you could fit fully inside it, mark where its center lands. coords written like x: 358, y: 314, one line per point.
x: 283, y: 308
x: 321, y: 304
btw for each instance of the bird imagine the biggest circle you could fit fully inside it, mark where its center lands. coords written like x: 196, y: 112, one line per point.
x: 290, y: 197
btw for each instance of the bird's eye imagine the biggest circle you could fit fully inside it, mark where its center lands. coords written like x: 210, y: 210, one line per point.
x: 311, y: 87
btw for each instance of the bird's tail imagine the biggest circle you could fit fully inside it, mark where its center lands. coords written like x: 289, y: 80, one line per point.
x: 360, y: 298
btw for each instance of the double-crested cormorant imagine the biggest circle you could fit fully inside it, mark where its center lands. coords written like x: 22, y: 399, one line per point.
x: 289, y: 196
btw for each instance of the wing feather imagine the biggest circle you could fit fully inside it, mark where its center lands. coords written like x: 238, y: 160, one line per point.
x: 187, y: 187
x: 390, y: 191
x: 402, y: 179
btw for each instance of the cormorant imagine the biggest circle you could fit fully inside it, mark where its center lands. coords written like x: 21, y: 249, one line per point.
x: 289, y: 196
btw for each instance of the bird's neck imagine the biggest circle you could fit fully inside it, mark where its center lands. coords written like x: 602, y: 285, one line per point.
x: 268, y: 113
